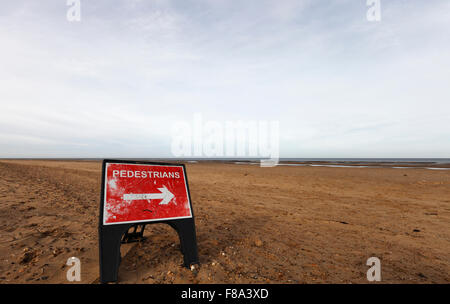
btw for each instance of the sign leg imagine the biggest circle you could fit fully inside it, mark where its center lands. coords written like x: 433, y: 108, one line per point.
x: 188, y: 240
x: 109, y: 249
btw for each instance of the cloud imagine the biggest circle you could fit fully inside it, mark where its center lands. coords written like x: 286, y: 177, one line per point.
x: 114, y: 83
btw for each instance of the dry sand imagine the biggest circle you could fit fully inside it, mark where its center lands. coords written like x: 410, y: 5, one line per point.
x: 254, y: 225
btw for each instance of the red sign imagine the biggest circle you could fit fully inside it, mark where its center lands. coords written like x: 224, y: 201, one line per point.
x: 144, y: 193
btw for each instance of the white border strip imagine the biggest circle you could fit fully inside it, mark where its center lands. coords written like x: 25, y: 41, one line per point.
x: 150, y: 220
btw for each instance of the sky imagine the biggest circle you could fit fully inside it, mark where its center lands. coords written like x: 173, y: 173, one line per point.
x: 116, y: 82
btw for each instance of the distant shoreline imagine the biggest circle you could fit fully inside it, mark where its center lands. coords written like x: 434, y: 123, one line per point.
x: 396, y: 163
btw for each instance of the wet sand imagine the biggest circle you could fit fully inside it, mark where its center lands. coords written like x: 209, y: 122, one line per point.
x: 289, y: 224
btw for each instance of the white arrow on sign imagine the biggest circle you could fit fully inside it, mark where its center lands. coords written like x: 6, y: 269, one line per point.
x: 165, y: 195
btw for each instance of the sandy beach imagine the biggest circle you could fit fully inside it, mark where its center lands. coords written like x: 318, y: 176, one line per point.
x: 288, y: 224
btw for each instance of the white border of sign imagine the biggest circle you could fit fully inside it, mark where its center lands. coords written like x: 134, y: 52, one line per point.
x: 151, y: 220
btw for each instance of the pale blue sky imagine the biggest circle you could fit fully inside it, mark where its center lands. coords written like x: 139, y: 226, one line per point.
x: 113, y: 84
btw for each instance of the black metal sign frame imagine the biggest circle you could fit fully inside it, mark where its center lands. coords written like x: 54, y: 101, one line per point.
x: 111, y: 236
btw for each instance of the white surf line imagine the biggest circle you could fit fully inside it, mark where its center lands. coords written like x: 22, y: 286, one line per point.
x: 358, y: 166
x: 343, y: 166
x: 346, y: 166
x: 430, y: 168
x: 339, y: 166
x: 333, y: 166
